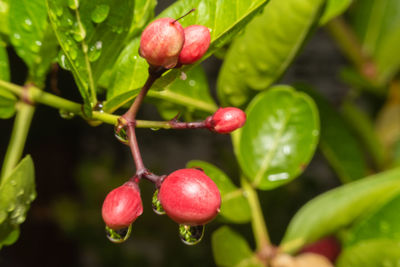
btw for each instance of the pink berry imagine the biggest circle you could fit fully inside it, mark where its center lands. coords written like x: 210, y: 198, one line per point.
x: 197, y: 41
x: 190, y: 197
x: 161, y: 42
x: 226, y: 120
x: 122, y: 206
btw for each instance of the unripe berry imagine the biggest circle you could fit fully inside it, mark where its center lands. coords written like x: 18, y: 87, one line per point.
x: 197, y: 41
x: 226, y: 120
x: 122, y: 206
x: 190, y: 197
x: 161, y: 42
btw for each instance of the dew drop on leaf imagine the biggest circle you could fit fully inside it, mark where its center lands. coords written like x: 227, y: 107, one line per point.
x: 191, y: 235
x: 80, y: 34
x: 100, y: 13
x: 27, y: 25
x: 156, y: 204
x: 73, y: 4
x: 66, y: 114
x: 63, y: 61
x: 95, y: 51
x: 118, y: 236
x: 16, y: 39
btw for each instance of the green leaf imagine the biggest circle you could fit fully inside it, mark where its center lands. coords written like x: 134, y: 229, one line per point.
x: 91, y: 34
x: 32, y: 37
x: 382, y: 224
x: 7, y: 104
x: 371, y: 253
x: 4, y: 11
x: 269, y: 44
x: 347, y: 160
x: 234, y: 206
x: 17, y: 191
x: 339, y: 208
x: 144, y: 11
x: 279, y: 137
x: 231, y: 249
x: 376, y: 23
x: 185, y: 96
x: 4, y: 66
x: 332, y: 9
x: 224, y: 18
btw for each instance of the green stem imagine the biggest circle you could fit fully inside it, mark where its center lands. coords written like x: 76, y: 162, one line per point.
x: 38, y: 96
x: 257, y: 219
x: 18, y: 137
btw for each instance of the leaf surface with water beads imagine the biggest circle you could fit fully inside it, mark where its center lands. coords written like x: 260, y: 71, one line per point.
x: 223, y: 18
x: 17, y: 191
x: 91, y: 34
x: 32, y: 37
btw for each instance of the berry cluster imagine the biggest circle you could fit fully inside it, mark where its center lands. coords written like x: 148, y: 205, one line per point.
x: 188, y: 196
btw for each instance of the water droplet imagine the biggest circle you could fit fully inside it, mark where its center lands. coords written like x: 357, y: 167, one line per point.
x: 27, y: 25
x: 63, y: 61
x: 16, y: 39
x: 154, y: 129
x: 191, y: 235
x: 120, y: 134
x: 13, y: 182
x: 192, y: 83
x: 20, y: 192
x: 69, y: 21
x: 32, y: 196
x: 118, y: 236
x: 11, y: 207
x: 100, y: 13
x: 73, y: 54
x: 59, y: 11
x: 95, y: 51
x: 73, y: 4
x: 183, y: 76
x: 35, y: 46
x: 156, y: 204
x: 66, y: 114
x: 80, y: 34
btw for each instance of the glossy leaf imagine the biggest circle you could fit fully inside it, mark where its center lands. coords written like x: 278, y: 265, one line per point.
x: 337, y: 142
x: 279, y: 137
x: 144, y: 11
x: 371, y: 253
x: 17, y: 191
x: 231, y: 249
x: 185, y: 96
x: 333, y: 8
x: 269, y: 44
x: 339, y: 208
x: 32, y: 37
x: 7, y: 104
x: 91, y: 34
x: 377, y: 24
x: 234, y: 206
x: 224, y: 18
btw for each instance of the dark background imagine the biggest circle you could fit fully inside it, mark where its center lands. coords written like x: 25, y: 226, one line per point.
x: 77, y: 165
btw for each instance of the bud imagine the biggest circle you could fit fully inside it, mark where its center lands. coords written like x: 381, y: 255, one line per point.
x: 226, y: 120
x: 122, y: 206
x: 161, y: 42
x: 197, y: 41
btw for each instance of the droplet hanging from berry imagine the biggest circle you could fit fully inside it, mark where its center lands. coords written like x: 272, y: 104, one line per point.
x: 191, y: 235
x: 120, y: 235
x: 156, y: 204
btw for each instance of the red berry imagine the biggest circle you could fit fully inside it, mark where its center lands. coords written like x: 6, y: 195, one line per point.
x: 161, y: 42
x: 226, y: 120
x: 328, y: 247
x: 190, y: 197
x: 122, y: 206
x: 197, y: 41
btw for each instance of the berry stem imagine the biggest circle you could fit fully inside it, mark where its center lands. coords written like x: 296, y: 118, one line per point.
x: 181, y: 17
x: 133, y: 144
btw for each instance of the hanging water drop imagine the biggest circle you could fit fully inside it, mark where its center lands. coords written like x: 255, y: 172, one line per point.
x: 191, y: 235
x: 16, y: 39
x: 100, y: 13
x: 154, y: 129
x: 73, y: 53
x: 80, y: 34
x: 63, y: 61
x: 120, y: 134
x: 73, y: 4
x: 13, y: 182
x: 95, y: 51
x: 66, y: 114
x: 118, y: 236
x: 156, y: 204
